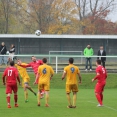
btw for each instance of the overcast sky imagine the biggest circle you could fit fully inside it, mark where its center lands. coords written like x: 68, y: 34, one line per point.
x: 113, y: 16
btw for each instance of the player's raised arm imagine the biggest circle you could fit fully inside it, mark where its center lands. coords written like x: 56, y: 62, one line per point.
x: 20, y: 64
x: 28, y: 65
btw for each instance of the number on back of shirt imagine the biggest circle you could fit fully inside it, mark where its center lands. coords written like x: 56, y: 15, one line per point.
x: 103, y: 70
x: 44, y: 71
x: 10, y: 72
x: 72, y: 69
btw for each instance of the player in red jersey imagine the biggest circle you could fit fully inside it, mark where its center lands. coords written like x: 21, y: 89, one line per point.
x: 34, y: 64
x: 10, y: 77
x: 101, y: 76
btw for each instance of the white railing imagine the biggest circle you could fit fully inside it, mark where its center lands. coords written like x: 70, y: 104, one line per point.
x: 61, y: 56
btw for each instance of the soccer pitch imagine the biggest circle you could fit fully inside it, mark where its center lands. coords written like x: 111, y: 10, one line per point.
x: 86, y: 101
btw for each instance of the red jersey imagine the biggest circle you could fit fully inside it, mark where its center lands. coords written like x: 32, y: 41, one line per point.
x: 34, y: 65
x: 11, y: 75
x: 102, y: 74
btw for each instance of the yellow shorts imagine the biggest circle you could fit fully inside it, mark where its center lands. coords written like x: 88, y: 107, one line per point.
x: 25, y: 81
x: 71, y: 87
x: 46, y: 87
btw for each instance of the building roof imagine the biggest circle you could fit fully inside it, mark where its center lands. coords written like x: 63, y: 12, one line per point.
x: 58, y: 36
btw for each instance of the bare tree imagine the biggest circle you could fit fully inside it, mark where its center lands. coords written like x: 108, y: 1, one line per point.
x: 93, y: 7
x: 5, y: 7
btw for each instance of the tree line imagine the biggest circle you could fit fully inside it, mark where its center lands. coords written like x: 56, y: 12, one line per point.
x: 57, y: 16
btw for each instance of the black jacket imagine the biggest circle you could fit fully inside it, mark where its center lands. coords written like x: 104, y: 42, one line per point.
x: 3, y: 49
x: 103, y: 54
x: 12, y: 50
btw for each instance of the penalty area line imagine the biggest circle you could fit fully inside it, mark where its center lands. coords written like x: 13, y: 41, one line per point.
x: 104, y: 106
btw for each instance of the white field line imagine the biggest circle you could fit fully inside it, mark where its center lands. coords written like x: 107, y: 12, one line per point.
x: 104, y: 106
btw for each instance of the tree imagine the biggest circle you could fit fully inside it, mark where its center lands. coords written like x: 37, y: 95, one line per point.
x: 35, y: 15
x: 5, y: 15
x: 64, y: 17
x: 93, y: 10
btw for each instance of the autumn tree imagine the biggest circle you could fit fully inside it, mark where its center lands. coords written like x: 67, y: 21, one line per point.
x: 64, y: 17
x: 5, y: 15
x: 9, y: 20
x: 35, y: 15
x: 90, y: 11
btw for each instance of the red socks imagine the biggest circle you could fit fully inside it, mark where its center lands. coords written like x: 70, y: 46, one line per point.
x: 99, y: 98
x: 8, y: 99
x: 15, y: 98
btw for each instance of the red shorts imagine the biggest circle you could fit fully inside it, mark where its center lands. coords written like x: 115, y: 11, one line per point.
x: 99, y: 88
x: 11, y: 87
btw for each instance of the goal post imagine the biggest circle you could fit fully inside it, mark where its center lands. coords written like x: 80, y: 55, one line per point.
x: 68, y: 54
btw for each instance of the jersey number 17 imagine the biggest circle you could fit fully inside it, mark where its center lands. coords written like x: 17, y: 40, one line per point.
x: 10, y: 72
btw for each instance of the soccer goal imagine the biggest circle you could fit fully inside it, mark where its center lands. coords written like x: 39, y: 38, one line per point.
x: 64, y: 55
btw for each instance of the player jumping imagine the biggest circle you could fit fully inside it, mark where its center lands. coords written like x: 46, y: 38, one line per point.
x: 10, y: 77
x: 71, y: 81
x: 101, y: 76
x: 46, y: 73
x: 34, y: 64
x: 25, y: 79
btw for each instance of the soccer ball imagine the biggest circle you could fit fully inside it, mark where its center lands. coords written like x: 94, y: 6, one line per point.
x: 38, y: 32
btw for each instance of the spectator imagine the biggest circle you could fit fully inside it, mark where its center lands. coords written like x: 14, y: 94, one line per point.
x: 88, y: 52
x: 100, y: 53
x: 12, y: 52
x: 3, y: 51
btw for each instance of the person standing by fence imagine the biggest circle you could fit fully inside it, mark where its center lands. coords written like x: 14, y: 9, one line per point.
x: 88, y: 52
x: 3, y: 51
x: 12, y: 51
x: 100, y: 53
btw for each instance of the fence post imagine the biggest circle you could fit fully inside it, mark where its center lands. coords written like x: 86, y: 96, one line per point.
x: 56, y: 64
x: 49, y: 57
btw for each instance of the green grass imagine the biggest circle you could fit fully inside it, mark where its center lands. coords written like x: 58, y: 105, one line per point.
x: 86, y: 101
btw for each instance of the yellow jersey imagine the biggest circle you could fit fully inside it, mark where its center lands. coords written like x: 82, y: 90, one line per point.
x: 71, y: 74
x: 22, y: 71
x: 45, y: 71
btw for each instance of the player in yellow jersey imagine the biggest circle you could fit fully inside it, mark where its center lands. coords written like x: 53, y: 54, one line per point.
x: 25, y: 79
x: 71, y: 71
x: 45, y: 74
